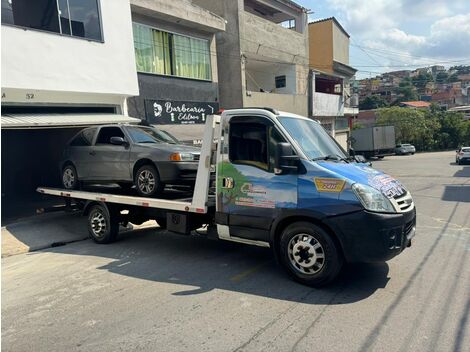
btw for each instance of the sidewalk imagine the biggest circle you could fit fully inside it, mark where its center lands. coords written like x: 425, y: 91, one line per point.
x: 49, y: 230
x: 42, y: 231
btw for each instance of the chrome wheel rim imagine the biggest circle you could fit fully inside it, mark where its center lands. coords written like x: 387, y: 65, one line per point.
x: 98, y: 224
x: 306, y: 254
x: 146, y: 182
x: 68, y: 178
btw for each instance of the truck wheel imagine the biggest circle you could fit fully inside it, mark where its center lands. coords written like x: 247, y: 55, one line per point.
x: 147, y: 181
x: 69, y: 177
x: 309, y: 254
x: 101, y: 226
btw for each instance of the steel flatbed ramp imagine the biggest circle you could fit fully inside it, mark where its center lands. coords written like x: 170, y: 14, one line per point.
x: 124, y: 199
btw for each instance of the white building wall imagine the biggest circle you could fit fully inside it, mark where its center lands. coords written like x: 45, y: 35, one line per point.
x: 56, y: 65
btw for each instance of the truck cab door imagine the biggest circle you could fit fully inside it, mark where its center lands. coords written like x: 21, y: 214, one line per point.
x: 250, y: 195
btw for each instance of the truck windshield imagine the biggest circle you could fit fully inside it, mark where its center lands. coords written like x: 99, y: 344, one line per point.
x: 314, y: 141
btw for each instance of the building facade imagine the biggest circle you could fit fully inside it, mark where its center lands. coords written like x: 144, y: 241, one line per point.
x: 332, y: 100
x: 263, y: 54
x: 65, y: 64
x: 176, y: 62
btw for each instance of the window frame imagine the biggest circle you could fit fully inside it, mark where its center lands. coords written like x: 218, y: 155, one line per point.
x: 97, y: 134
x: 208, y: 41
x: 98, y: 2
x: 80, y: 135
x: 268, y: 123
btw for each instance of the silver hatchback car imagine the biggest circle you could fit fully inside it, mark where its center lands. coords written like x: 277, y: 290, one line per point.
x: 128, y: 155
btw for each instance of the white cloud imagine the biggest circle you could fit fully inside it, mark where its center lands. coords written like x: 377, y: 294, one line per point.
x: 449, y: 38
x: 406, y: 32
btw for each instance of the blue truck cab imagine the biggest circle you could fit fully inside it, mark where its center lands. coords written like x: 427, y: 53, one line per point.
x: 283, y: 182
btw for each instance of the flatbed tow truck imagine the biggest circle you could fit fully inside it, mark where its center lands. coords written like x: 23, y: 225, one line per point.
x: 281, y: 182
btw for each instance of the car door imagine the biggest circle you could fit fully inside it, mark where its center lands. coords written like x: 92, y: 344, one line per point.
x: 79, y: 151
x: 110, y: 162
x: 251, y: 194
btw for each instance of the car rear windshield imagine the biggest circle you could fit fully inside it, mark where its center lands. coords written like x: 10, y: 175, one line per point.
x: 466, y: 150
x: 148, y: 135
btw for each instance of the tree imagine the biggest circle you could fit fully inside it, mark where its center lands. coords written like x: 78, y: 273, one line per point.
x: 421, y: 80
x: 461, y: 69
x: 411, y: 126
x: 442, y: 77
x: 407, y: 90
x: 372, y: 102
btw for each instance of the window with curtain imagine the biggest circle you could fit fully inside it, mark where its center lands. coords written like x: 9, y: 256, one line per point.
x: 171, y: 54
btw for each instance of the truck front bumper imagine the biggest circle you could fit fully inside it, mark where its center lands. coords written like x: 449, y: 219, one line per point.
x: 373, y: 237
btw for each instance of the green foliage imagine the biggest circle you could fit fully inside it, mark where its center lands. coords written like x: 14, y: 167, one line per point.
x: 442, y: 77
x: 357, y: 126
x: 453, y: 78
x: 432, y: 129
x: 372, y: 102
x: 461, y: 69
x: 421, y: 80
x: 407, y: 90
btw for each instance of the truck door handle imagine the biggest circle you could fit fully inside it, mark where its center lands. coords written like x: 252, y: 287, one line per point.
x: 92, y: 152
x: 227, y: 182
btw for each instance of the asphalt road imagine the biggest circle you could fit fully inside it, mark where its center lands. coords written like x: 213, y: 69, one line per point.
x: 154, y: 291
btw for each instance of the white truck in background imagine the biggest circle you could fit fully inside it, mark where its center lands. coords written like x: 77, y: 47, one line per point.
x: 377, y: 141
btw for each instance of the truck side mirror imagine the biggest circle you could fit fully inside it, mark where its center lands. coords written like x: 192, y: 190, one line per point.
x: 285, y: 159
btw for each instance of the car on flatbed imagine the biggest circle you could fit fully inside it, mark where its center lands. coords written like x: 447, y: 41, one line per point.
x: 128, y: 155
x: 463, y: 155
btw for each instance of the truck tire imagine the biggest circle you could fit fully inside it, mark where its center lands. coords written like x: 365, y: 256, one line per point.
x: 147, y: 181
x: 102, y: 227
x: 309, y: 254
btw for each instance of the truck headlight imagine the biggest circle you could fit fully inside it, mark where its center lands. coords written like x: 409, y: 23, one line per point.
x: 182, y: 157
x: 372, y: 199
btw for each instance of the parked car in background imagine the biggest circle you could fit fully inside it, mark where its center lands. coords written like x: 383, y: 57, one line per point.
x: 128, y: 155
x: 463, y: 155
x: 404, y: 149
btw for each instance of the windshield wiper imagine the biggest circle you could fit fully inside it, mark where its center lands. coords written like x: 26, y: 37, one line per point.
x: 331, y: 157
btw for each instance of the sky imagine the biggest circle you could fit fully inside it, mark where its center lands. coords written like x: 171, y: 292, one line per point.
x: 390, y: 35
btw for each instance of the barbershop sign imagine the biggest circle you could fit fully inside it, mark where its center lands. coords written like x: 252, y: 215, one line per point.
x: 166, y: 112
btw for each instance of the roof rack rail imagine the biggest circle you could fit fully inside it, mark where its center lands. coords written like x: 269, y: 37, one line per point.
x: 274, y: 111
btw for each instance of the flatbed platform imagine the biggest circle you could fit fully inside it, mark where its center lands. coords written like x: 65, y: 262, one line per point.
x: 184, y: 203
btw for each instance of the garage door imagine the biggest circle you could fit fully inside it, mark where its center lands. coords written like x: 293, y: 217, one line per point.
x: 32, y: 147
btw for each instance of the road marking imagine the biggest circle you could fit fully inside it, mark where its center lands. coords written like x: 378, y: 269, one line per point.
x: 248, y: 272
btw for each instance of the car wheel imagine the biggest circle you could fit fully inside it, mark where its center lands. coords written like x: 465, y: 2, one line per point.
x: 147, y: 181
x: 101, y: 226
x: 309, y: 254
x: 69, y: 177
